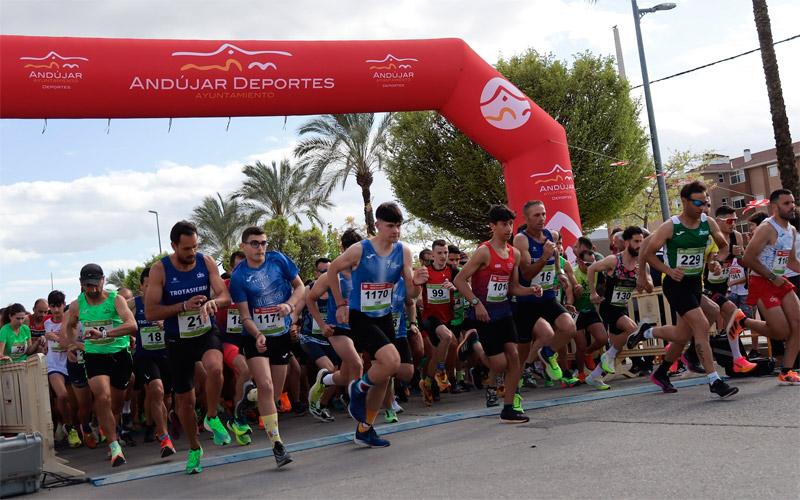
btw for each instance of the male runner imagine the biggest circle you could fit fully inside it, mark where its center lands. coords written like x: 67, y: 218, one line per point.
x: 57, y: 373
x: 180, y: 294
x: 108, y: 324
x: 588, y: 320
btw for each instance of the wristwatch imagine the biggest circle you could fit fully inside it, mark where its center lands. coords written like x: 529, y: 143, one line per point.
x: 474, y: 301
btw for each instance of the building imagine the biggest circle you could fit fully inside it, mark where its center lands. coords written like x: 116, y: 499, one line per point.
x: 740, y: 180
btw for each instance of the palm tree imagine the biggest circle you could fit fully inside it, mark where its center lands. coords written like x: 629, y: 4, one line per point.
x: 345, y: 145
x: 780, y: 123
x: 116, y: 278
x: 283, y: 192
x: 220, y: 223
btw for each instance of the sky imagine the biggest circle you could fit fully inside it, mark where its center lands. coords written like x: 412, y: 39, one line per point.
x: 80, y: 192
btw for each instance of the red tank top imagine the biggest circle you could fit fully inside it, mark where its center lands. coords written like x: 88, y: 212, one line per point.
x: 436, y: 301
x: 490, y: 284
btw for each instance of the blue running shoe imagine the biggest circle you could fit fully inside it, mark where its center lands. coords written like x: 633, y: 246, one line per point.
x: 370, y: 439
x: 358, y: 402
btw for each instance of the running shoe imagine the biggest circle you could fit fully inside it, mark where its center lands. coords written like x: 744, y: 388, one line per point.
x: 789, y: 378
x: 735, y: 327
x: 100, y: 433
x: 690, y: 361
x: 491, y: 397
x: 370, y: 439
x: 569, y: 381
x: 167, y: 448
x: 528, y: 380
x: 214, y: 426
x: 245, y: 403
x: 597, y: 383
x: 517, y: 405
x: 389, y: 416
x: 663, y: 382
x: 427, y: 391
x: 326, y: 415
x: 442, y: 381
x: 457, y: 388
x: 89, y: 438
x: 465, y: 348
x: 284, y: 405
x: 126, y: 437
x: 396, y: 407
x: 149, y: 433
x: 117, y: 458
x: 60, y: 434
x: 437, y: 396
x: 241, y: 432
x: 741, y: 365
x: 73, y: 439
x: 477, y: 377
x: 509, y: 416
x: 722, y: 389
x: 582, y: 377
x: 607, y: 364
x: 300, y: 408
x: 638, y: 336
x: 193, y: 461
x: 551, y: 366
x: 317, y: 390
x: 357, y: 408
x: 281, y: 455
x: 501, y: 391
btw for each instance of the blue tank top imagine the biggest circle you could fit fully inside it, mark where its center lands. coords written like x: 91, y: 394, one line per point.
x: 399, y: 309
x: 310, y: 331
x: 149, y: 336
x: 374, y: 280
x: 180, y: 286
x: 346, y: 286
x: 546, y: 277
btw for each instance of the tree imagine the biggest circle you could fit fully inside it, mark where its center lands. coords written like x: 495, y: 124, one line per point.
x: 302, y: 246
x: 777, y: 108
x: 444, y: 179
x: 283, y: 191
x: 130, y: 278
x: 220, y: 222
x: 341, y: 146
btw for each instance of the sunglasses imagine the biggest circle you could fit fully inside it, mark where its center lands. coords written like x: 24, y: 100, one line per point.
x: 700, y: 203
x: 729, y: 221
x: 256, y: 244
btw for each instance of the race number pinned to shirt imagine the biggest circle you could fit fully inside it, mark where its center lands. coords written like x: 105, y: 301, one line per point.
x: 18, y: 349
x: 315, y: 329
x: 546, y: 277
x: 269, y: 320
x: 720, y: 277
x: 152, y: 338
x: 376, y: 297
x: 780, y: 262
x: 498, y: 288
x: 621, y: 295
x: 191, y: 324
x: 79, y: 357
x: 396, y: 322
x: 437, y: 294
x: 735, y: 274
x: 690, y: 260
x: 103, y: 326
x: 234, y: 321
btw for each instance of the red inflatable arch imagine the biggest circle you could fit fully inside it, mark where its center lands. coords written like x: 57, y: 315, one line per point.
x: 45, y: 77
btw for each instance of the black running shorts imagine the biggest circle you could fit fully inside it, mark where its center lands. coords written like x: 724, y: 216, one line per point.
x: 684, y: 295
x: 117, y: 366
x: 184, y: 353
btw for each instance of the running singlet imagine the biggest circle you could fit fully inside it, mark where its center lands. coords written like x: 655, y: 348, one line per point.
x: 620, y: 284
x: 437, y: 301
x: 37, y: 329
x: 265, y: 288
x: 583, y: 303
x: 775, y: 257
x: 103, y: 317
x: 687, y: 247
x: 180, y: 286
x: 228, y: 320
x: 546, y: 277
x: 490, y: 284
x: 149, y: 336
x: 346, y: 285
x: 51, y: 326
x: 737, y: 272
x: 374, y: 280
x: 311, y: 332
x: 399, y: 309
x: 15, y: 343
x: 718, y: 282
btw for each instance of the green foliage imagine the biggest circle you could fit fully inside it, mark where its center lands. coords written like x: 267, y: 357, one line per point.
x: 130, y: 278
x: 444, y: 179
x: 302, y: 246
x: 220, y: 222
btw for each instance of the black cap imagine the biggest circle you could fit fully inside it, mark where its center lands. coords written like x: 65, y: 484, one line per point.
x: 91, y: 274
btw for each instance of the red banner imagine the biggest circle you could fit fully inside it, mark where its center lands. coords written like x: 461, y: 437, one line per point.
x: 47, y: 77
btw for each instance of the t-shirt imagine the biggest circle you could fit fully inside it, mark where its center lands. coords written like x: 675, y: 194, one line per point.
x: 265, y: 288
x: 15, y: 343
x: 583, y: 302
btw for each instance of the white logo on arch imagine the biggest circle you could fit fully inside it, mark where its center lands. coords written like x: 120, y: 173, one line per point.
x: 503, y: 105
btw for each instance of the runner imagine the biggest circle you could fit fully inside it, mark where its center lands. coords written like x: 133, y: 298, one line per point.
x: 152, y: 367
x: 107, y: 326
x: 403, y: 311
x: 494, y: 269
x: 36, y: 321
x: 686, y: 239
x: 459, y: 312
x: 15, y: 336
x: 267, y: 289
x: 592, y: 334
x: 180, y: 294
x: 57, y: 374
x: 375, y: 265
x: 770, y: 252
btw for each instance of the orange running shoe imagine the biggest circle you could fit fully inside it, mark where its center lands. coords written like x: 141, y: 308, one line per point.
x: 582, y: 377
x: 284, y: 405
x: 789, y: 378
x: 442, y: 381
x: 427, y: 392
x: 89, y: 439
x: 735, y: 327
x: 741, y: 365
x: 167, y: 447
x: 589, y: 361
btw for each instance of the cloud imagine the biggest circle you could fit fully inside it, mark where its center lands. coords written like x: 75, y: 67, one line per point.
x: 9, y: 256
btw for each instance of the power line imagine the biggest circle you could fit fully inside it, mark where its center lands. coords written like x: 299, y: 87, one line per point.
x: 717, y: 62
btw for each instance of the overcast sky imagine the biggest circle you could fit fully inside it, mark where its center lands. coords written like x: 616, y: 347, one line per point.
x: 63, y: 191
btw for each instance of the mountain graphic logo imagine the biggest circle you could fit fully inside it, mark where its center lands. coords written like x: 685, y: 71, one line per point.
x: 234, y: 57
x: 503, y: 105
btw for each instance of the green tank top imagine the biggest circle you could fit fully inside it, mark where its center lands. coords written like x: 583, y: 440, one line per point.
x: 459, y: 308
x: 582, y: 303
x: 687, y: 247
x: 102, y: 316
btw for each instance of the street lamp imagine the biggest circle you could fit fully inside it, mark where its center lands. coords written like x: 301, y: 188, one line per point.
x: 662, y: 185
x: 158, y: 230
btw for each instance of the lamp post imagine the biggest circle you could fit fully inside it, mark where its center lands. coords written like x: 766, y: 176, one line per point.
x: 158, y: 230
x: 662, y: 185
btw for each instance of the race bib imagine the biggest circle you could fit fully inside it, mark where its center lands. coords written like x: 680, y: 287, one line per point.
x: 103, y: 326
x: 79, y: 357
x: 56, y: 347
x: 437, y: 294
x: 18, y: 349
x: 721, y: 277
x: 315, y: 329
x: 546, y: 277
x: 234, y: 321
x: 690, y: 260
x: 269, y: 320
x: 152, y: 338
x: 191, y: 324
x: 736, y: 273
x: 376, y: 297
x: 498, y: 289
x: 621, y: 295
x: 396, y: 322
x: 780, y: 261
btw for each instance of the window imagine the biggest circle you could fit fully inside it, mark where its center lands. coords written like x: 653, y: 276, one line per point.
x: 737, y: 177
x: 759, y: 197
x: 725, y: 202
x: 721, y: 178
x: 773, y: 170
x: 738, y: 202
x: 743, y: 227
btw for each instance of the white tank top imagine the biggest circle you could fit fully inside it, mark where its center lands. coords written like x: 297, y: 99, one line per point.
x: 789, y: 272
x: 775, y: 257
